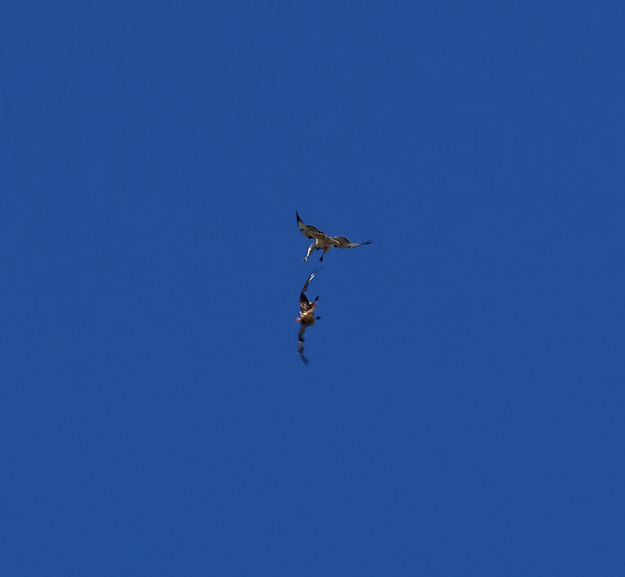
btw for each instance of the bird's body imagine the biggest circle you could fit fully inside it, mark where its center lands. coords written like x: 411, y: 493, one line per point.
x: 321, y: 241
x: 307, y: 316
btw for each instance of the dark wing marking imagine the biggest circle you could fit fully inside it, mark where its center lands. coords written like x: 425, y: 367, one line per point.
x: 304, y: 303
x: 300, y: 344
x: 310, y: 277
x: 308, y: 230
x: 344, y: 242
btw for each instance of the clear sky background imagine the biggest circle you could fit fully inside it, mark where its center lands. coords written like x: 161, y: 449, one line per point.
x: 463, y: 410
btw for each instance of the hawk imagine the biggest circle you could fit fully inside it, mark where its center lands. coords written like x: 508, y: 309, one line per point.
x: 306, y: 315
x: 322, y: 241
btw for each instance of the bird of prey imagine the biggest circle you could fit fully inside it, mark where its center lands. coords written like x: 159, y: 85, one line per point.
x: 306, y: 315
x: 321, y: 241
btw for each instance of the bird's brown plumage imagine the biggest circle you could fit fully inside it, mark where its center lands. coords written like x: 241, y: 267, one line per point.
x: 322, y: 241
x: 307, y: 316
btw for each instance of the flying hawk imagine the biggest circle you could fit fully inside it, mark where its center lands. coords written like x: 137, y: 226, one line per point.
x: 306, y: 315
x: 322, y: 241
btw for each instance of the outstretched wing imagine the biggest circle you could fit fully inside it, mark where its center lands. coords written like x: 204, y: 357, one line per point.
x: 344, y: 242
x: 304, y: 303
x: 300, y: 344
x: 308, y: 230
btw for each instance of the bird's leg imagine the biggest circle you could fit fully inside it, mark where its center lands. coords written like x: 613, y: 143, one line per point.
x: 310, y: 250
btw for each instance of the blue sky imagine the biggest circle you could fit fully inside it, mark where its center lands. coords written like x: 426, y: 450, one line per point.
x: 462, y: 413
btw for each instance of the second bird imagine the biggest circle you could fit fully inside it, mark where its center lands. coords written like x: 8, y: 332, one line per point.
x: 306, y: 316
